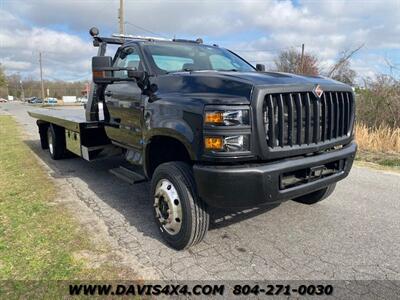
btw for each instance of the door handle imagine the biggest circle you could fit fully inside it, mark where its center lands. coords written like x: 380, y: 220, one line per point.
x: 108, y: 93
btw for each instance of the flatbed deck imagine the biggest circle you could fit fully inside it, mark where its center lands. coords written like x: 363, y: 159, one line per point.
x: 72, y: 119
x: 84, y: 138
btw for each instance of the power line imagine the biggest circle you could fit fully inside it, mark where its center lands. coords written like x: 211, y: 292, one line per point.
x: 265, y: 50
x: 144, y: 29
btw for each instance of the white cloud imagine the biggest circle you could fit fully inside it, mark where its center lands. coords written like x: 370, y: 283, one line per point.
x: 65, y: 56
x: 325, y: 27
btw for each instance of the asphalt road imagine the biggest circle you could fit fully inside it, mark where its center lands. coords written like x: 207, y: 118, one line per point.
x: 355, y: 234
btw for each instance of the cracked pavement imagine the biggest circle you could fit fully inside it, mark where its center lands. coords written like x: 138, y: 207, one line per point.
x: 354, y: 234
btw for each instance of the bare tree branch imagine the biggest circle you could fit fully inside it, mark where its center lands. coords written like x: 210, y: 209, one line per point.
x: 346, y: 56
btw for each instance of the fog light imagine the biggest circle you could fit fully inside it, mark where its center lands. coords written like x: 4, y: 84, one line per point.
x: 213, y: 143
x: 228, y: 143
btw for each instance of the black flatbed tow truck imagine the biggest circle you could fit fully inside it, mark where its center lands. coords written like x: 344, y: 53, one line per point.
x: 207, y: 128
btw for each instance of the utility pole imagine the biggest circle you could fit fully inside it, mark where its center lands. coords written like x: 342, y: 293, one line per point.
x: 41, y: 74
x: 121, y: 17
x: 22, y: 91
x: 302, y: 59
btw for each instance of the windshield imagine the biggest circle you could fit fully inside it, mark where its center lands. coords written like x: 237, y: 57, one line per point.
x: 177, y: 57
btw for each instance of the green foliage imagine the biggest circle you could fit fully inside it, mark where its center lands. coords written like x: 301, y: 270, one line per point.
x: 3, y: 80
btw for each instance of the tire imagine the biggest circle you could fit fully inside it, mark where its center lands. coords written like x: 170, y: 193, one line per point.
x: 56, y: 141
x: 316, y: 196
x: 43, y: 136
x: 180, y: 215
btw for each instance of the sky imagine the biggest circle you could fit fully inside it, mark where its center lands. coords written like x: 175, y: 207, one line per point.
x: 256, y: 30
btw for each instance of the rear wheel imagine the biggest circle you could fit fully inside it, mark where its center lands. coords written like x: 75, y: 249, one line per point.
x: 179, y: 213
x: 316, y: 196
x: 43, y: 136
x: 56, y: 141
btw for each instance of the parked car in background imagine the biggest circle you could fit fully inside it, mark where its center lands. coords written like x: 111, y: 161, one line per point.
x: 3, y: 100
x: 51, y: 100
x: 82, y: 100
x: 35, y: 100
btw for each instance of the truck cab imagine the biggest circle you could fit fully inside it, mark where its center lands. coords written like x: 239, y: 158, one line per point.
x: 208, y: 129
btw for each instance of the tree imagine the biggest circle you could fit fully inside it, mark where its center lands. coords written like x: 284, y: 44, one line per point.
x: 378, y: 103
x: 344, y: 73
x: 289, y: 61
x: 341, y: 70
x: 3, y: 81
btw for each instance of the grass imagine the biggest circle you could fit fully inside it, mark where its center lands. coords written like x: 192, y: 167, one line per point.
x: 37, y: 236
x: 379, y: 145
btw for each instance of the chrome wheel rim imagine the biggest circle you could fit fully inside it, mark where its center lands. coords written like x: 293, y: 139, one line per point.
x: 50, y: 141
x: 167, y: 206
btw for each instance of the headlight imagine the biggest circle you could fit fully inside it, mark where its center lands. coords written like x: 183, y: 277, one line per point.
x: 227, y: 143
x: 227, y: 118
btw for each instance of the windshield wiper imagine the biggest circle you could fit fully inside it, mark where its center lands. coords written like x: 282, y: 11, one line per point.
x: 228, y: 70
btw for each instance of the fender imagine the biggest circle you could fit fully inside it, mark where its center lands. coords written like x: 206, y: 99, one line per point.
x: 180, y: 131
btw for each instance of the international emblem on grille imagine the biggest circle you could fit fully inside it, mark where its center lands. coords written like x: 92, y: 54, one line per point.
x: 318, y: 91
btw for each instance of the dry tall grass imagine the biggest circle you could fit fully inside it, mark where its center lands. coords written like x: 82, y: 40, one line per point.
x: 379, y: 139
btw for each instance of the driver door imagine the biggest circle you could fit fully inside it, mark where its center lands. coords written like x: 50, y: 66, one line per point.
x: 124, y: 101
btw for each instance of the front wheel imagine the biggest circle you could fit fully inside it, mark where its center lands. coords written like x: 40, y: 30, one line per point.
x: 179, y: 213
x: 316, y: 196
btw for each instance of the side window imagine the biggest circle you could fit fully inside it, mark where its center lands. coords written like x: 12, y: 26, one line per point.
x: 127, y: 58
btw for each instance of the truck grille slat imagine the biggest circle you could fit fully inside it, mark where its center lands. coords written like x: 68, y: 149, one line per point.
x: 337, y: 115
x: 271, y: 119
x: 323, y: 118
x: 300, y: 118
x: 290, y: 120
x: 332, y: 119
x: 347, y: 112
x: 341, y: 109
x: 281, y: 120
x: 308, y: 119
x: 316, y: 121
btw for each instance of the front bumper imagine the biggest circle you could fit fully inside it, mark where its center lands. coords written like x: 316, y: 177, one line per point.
x: 248, y: 185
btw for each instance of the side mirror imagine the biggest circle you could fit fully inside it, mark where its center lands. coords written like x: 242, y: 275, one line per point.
x: 102, y: 69
x: 260, y: 68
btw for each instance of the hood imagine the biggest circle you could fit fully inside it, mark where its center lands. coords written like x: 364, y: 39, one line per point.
x: 261, y: 78
x: 275, y: 78
x: 239, y: 85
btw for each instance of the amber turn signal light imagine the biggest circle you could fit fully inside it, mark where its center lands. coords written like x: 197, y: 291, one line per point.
x: 98, y: 74
x: 214, y: 117
x: 213, y: 143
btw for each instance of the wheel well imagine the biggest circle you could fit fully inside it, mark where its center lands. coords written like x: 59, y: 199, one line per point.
x: 163, y: 149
